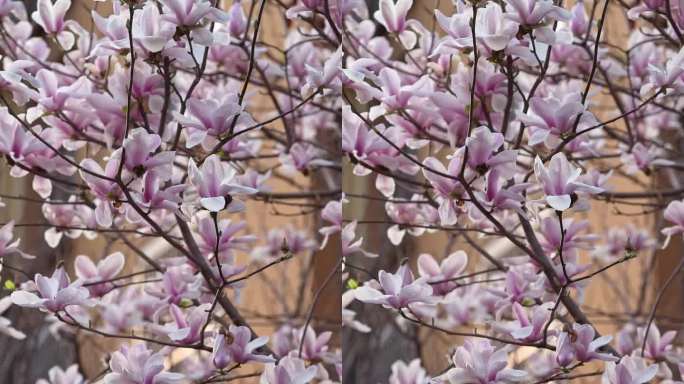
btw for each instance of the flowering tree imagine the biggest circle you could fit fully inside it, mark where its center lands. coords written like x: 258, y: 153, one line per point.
x: 200, y: 154
x: 494, y: 127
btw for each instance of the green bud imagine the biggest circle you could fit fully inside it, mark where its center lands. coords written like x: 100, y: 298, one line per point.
x: 9, y: 285
x: 527, y: 302
x: 352, y: 284
x: 185, y: 303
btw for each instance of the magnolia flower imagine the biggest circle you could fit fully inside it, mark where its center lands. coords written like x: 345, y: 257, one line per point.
x: 572, y: 237
x: 153, y: 196
x: 289, y: 370
x: 237, y: 25
x: 206, y: 120
x: 106, y: 190
x: 674, y: 213
x: 624, y: 242
x: 214, y: 183
x: 551, y: 119
x: 349, y: 246
x: 323, y: 77
x: 500, y: 194
x: 54, y: 294
x: 314, y: 347
x: 7, y: 246
x: 302, y: 157
x: 51, y: 18
x: 151, y: 33
x: 397, y: 92
x: 349, y: 316
x: 135, y: 364
x: 331, y: 213
x: 411, y: 373
x: 138, y: 149
x: 393, y: 17
x: 477, y: 361
x: 579, y: 23
x: 451, y: 267
x: 522, y: 284
x: 56, y: 375
x: 5, y: 323
x: 106, y: 269
x: 396, y: 290
x: 630, y: 370
x: 533, y: 14
x: 228, y: 239
x: 560, y: 183
x: 54, y: 95
x: 178, y: 283
x: 189, y: 13
x: 445, y: 187
x: 665, y: 78
x: 237, y: 347
x: 15, y: 141
x: 285, y: 340
x: 186, y: 328
x: 283, y: 241
x: 483, y: 153
x: 579, y: 344
x: 529, y: 328
x: 493, y: 31
x: 657, y: 345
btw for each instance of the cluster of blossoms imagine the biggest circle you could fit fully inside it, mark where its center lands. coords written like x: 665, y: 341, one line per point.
x: 203, y: 143
x: 168, y: 130
x: 496, y: 126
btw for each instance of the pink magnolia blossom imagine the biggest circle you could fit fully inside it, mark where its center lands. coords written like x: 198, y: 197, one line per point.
x: 561, y: 185
x: 51, y: 18
x: 237, y: 347
x: 106, y: 190
x: 214, y: 183
x: 57, y: 375
x: 228, y: 240
x: 581, y: 345
x: 7, y: 246
x: 315, y: 347
x: 186, y: 327
x: 396, y: 290
x: 6, y: 327
x: 178, y: 283
x: 106, y: 269
x: 188, y: 13
x: 657, y: 345
x: 139, y: 154
x: 207, y: 120
x: 483, y: 153
x: 411, y: 373
x: 350, y: 244
x: 531, y: 13
x: 331, y: 213
x: 551, y: 119
x: 478, y: 361
x: 393, y: 17
x: 289, y: 370
x: 451, y: 267
x: 529, y: 324
x: 674, y: 213
x: 135, y: 364
x: 349, y: 316
x: 630, y: 370
x: 53, y: 294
